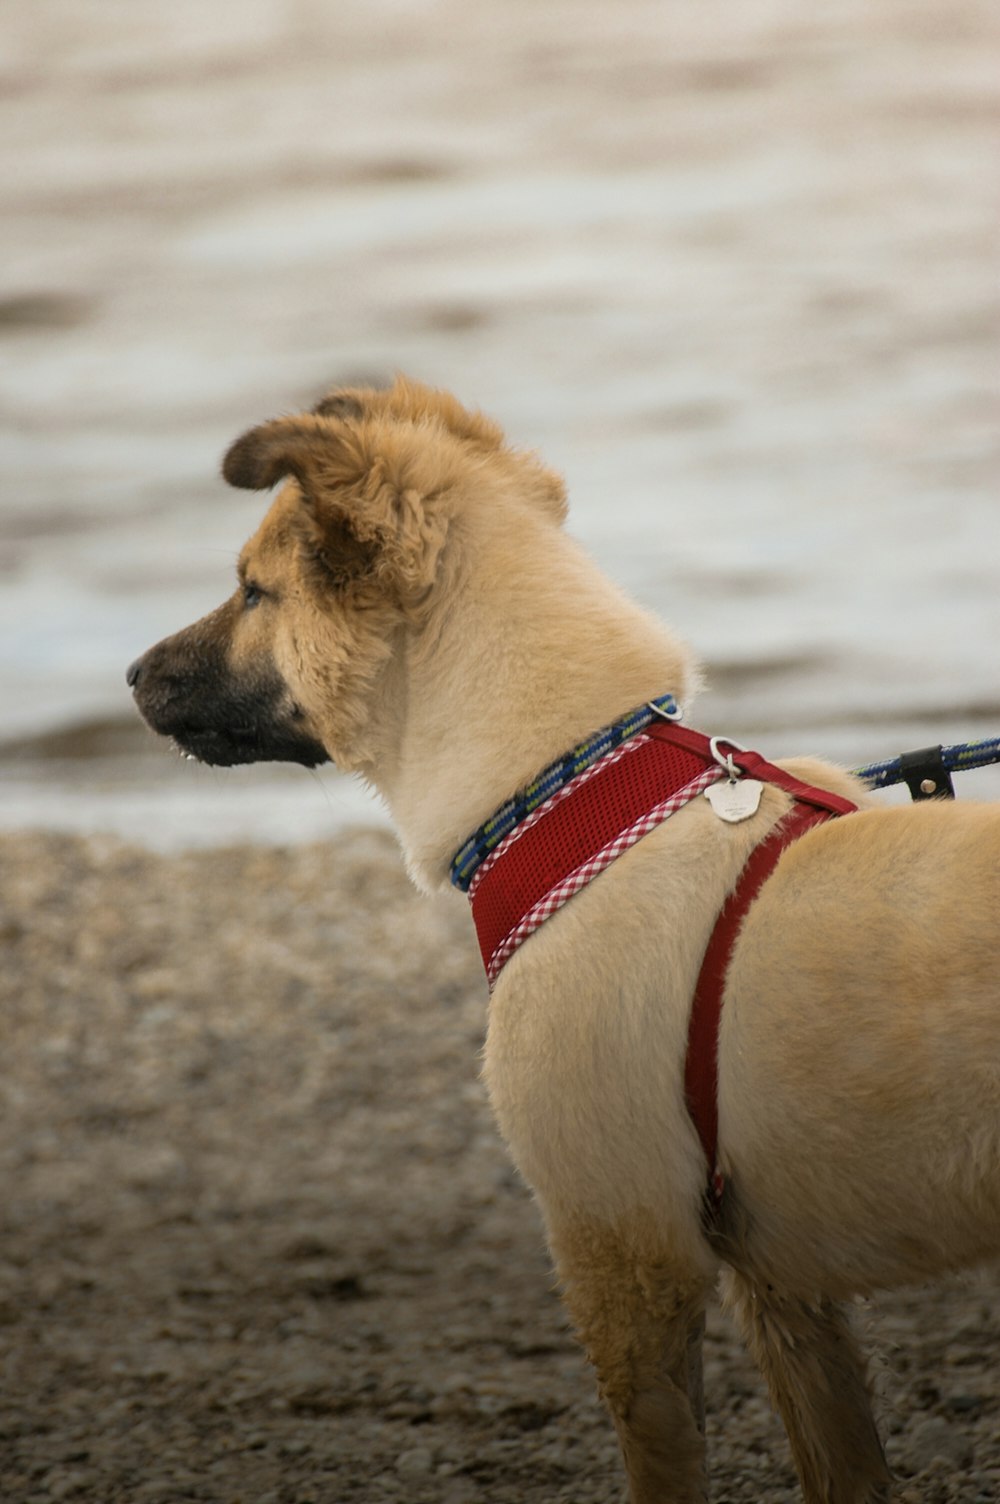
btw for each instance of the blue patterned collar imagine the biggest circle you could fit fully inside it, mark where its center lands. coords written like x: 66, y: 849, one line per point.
x: 502, y: 822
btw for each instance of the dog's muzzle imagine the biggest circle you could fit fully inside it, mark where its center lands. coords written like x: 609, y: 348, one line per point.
x: 210, y: 714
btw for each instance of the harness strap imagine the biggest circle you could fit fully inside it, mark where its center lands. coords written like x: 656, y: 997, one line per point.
x: 753, y: 764
x: 701, y: 1066
x: 578, y: 832
x: 550, y: 852
x: 812, y: 807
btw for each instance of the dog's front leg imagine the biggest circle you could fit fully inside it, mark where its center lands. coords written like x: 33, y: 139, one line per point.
x: 816, y: 1376
x: 640, y: 1318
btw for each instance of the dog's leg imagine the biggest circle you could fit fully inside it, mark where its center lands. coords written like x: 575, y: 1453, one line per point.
x: 818, y: 1384
x: 640, y: 1320
x: 694, y: 1374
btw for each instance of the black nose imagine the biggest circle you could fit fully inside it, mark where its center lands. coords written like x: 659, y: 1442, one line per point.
x: 132, y: 673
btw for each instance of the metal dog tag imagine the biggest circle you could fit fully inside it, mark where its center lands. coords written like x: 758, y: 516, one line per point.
x: 737, y: 801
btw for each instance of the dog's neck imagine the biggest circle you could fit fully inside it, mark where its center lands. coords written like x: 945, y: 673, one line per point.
x: 530, y: 650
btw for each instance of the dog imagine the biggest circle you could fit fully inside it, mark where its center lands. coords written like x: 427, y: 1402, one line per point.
x: 412, y: 608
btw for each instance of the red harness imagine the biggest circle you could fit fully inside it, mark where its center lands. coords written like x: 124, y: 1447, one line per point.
x: 582, y: 828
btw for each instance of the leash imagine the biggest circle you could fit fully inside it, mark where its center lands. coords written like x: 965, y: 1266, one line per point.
x: 927, y: 772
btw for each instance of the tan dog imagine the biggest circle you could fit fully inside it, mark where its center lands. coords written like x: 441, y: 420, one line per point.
x: 411, y: 608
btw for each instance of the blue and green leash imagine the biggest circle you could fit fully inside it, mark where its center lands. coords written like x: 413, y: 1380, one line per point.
x: 927, y: 772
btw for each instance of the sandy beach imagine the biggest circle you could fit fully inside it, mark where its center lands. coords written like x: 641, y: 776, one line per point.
x: 261, y: 1242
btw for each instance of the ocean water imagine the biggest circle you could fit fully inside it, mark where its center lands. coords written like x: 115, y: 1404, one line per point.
x: 732, y: 270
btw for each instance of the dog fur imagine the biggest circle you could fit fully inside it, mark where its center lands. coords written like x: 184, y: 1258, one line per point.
x: 412, y: 608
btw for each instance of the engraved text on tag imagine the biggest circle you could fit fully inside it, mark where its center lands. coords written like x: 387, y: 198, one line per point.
x: 735, y: 801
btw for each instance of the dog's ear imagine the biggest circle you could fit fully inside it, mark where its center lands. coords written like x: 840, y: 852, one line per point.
x: 271, y: 451
x: 365, y: 510
x: 339, y: 405
x: 553, y: 494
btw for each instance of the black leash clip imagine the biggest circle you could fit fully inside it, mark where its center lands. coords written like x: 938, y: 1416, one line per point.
x: 925, y: 774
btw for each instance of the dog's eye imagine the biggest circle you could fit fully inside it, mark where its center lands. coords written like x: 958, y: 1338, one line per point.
x: 252, y: 595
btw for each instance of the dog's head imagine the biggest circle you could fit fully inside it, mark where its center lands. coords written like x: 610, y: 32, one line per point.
x: 347, y: 563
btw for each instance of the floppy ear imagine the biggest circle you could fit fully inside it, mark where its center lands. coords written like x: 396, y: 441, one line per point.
x: 287, y: 446
x: 339, y: 405
x: 362, y: 514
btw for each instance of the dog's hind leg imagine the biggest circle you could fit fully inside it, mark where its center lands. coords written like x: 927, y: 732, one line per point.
x: 818, y: 1383
x: 640, y: 1320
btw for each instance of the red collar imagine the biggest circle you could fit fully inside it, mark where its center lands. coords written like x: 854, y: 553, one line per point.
x: 596, y: 816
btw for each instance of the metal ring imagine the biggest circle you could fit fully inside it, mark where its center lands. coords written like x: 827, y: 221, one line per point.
x: 668, y: 715
x: 725, y: 762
